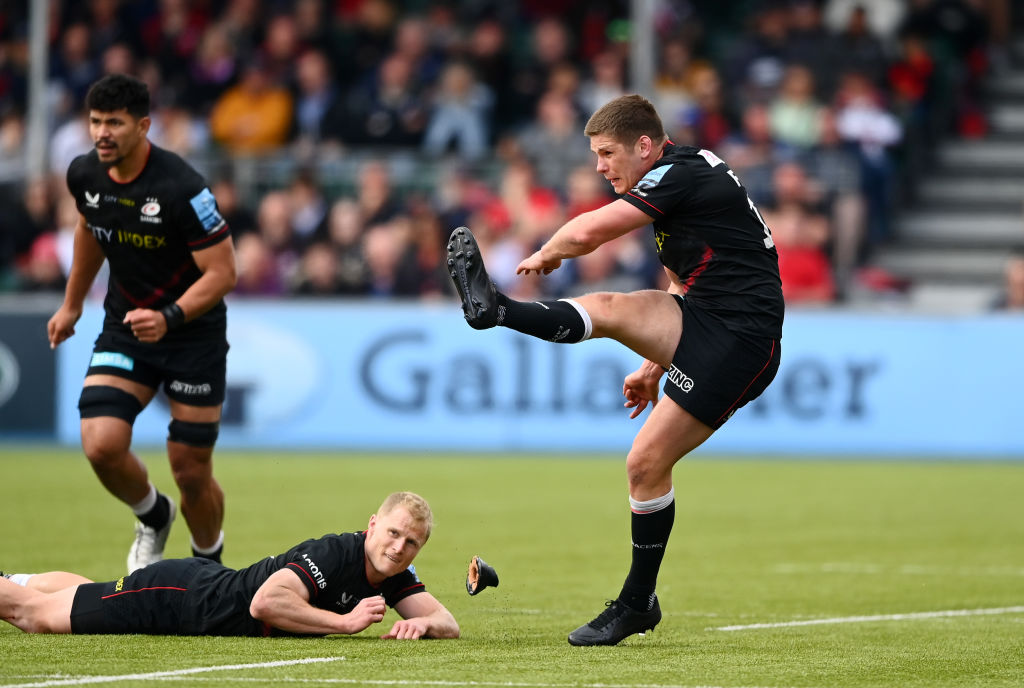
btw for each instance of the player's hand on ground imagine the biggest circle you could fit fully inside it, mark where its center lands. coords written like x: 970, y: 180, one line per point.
x: 62, y: 325
x: 407, y: 629
x: 147, y: 326
x: 641, y: 388
x: 537, y: 263
x: 370, y: 610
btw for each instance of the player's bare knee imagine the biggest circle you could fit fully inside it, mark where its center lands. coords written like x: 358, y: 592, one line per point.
x: 105, y: 448
x: 641, y: 467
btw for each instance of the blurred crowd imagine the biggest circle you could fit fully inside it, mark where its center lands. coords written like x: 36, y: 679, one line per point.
x: 825, y: 109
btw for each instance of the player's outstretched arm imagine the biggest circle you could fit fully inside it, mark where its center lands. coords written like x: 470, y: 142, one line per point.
x: 584, y: 233
x: 282, y: 602
x: 423, y: 617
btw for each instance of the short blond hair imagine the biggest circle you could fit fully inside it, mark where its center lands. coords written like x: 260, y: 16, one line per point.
x: 626, y: 119
x: 414, y: 504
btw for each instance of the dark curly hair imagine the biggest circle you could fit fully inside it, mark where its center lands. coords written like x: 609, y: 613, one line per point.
x: 116, y: 91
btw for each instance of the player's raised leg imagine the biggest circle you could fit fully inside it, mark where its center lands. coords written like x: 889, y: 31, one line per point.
x: 649, y: 321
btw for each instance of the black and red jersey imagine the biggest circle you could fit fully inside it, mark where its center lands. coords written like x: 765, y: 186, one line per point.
x: 148, y: 228
x: 710, y: 234
x: 332, y: 567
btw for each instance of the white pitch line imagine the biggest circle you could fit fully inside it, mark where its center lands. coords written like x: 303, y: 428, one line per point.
x: 461, y: 684
x: 83, y: 680
x: 879, y: 617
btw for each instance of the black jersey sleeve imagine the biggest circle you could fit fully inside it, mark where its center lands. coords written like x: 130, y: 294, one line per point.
x: 197, y: 214
x: 317, y: 561
x: 662, y: 190
x: 406, y: 583
x: 74, y: 179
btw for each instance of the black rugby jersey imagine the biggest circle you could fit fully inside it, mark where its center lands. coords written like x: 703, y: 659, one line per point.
x: 332, y: 568
x: 711, y: 235
x: 148, y: 228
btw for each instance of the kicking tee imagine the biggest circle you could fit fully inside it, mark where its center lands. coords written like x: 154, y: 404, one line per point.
x: 710, y: 234
x: 148, y: 228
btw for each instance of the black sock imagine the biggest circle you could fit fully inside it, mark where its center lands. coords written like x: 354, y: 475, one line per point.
x: 554, y: 321
x: 650, y: 537
x: 156, y: 518
x: 212, y: 556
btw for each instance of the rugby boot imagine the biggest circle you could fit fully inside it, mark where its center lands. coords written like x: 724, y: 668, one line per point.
x: 149, y: 542
x: 616, y: 622
x: 477, y: 291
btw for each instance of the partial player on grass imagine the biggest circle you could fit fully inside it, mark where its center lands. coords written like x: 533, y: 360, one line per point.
x: 716, y: 331
x: 333, y: 584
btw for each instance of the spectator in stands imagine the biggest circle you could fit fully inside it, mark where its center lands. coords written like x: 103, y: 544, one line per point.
x: 254, y: 116
x: 384, y: 246
x: 319, y: 106
x: 425, y: 260
x: 836, y: 170
x: 800, y: 232
x: 258, y: 274
x: 554, y: 142
x: 212, y: 69
x: 280, y: 49
x: 41, y: 269
x: 673, y: 82
x: 459, y: 114
x: 756, y: 62
x: 26, y: 213
x: 313, y: 22
x: 308, y: 206
x: 108, y: 24
x: 1012, y: 296
x: 242, y: 21
x: 607, y: 80
x: 550, y: 45
x: 274, y: 220
x: 753, y: 153
x: 487, y: 52
x: 856, y: 48
x: 376, y: 196
x: 413, y: 41
x: 709, y: 122
x: 863, y: 122
x: 809, y: 43
x: 318, y: 272
x: 172, y: 34
x: 176, y: 129
x: 12, y: 145
x: 344, y: 232
x: 388, y: 108
x: 119, y: 58
x: 795, y: 111
x: 74, y: 66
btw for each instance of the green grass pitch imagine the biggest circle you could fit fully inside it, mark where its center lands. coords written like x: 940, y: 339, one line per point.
x: 879, y: 553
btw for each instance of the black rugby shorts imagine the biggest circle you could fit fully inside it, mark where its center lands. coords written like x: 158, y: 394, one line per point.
x: 715, y: 370
x: 153, y: 600
x: 193, y: 373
